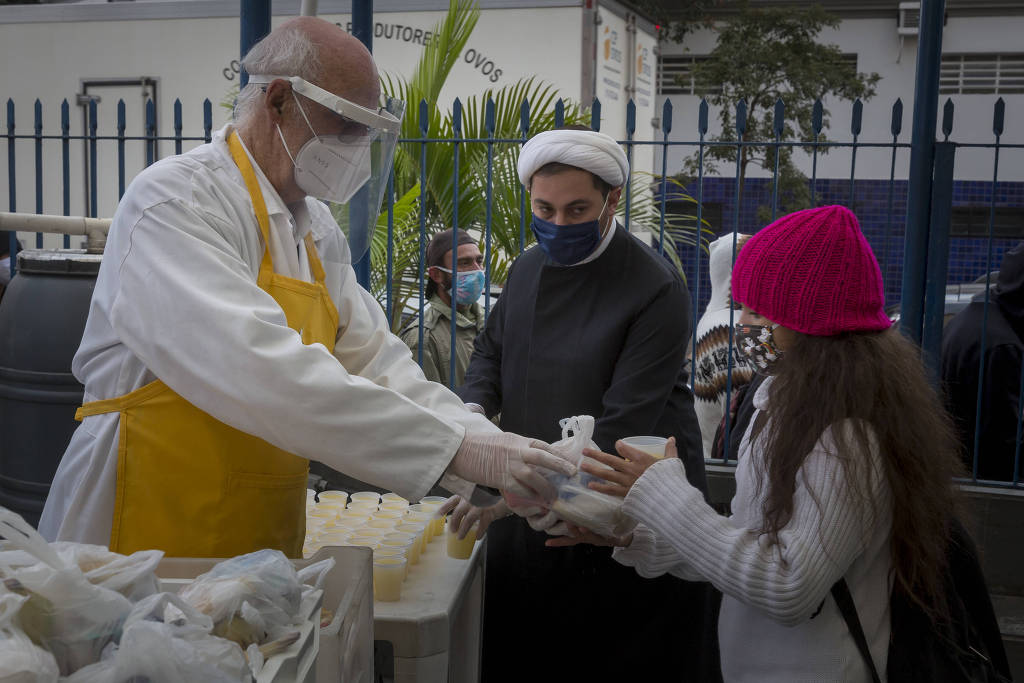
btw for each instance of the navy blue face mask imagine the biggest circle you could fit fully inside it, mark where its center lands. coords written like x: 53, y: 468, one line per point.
x: 568, y: 244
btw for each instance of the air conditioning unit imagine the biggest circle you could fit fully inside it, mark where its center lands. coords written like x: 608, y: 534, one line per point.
x: 909, y: 20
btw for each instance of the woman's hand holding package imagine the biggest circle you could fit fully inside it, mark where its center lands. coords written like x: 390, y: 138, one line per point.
x: 509, y: 462
x: 625, y: 470
x: 574, y: 535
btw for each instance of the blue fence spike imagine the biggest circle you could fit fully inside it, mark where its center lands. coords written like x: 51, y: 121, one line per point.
x: 38, y: 117
x: 559, y: 113
x: 947, y: 117
x: 702, y: 117
x: 595, y: 115
x: 630, y: 117
x: 817, y: 113
x: 779, y: 118
x: 207, y: 119
x: 424, y: 118
x: 741, y: 118
x: 997, y: 117
x: 121, y: 118
x: 524, y: 117
x: 177, y: 126
x: 10, y: 114
x: 121, y: 125
x: 12, y: 193
x: 666, y: 117
x: 65, y: 118
x: 457, y: 117
x: 489, y: 116
x: 897, y: 117
x: 858, y: 114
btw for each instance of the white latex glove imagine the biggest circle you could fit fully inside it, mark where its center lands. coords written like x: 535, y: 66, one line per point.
x: 509, y: 462
x: 465, y: 515
x: 540, y: 519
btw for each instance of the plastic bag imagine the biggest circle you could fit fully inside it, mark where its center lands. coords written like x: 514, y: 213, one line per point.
x: 133, y: 576
x: 63, y: 612
x: 21, y: 660
x: 577, y: 503
x: 251, y: 598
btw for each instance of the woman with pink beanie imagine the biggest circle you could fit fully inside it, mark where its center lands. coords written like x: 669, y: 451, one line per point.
x: 845, y: 471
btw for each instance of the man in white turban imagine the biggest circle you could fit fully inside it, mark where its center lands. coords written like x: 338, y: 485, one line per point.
x: 591, y: 321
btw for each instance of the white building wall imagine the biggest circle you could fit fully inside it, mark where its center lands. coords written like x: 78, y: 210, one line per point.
x: 192, y: 59
x: 878, y: 49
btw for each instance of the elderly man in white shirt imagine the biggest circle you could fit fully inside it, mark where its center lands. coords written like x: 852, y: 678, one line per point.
x: 228, y: 342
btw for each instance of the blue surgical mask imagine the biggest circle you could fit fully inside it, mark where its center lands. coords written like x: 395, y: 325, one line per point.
x: 568, y: 244
x: 470, y: 286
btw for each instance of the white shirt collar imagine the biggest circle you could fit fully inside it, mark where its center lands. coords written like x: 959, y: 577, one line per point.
x: 605, y: 241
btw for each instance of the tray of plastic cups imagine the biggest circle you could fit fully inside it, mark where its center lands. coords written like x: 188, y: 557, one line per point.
x: 461, y: 548
x: 388, y: 574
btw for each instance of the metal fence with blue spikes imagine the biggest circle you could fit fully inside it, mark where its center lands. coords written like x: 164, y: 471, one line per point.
x: 925, y: 252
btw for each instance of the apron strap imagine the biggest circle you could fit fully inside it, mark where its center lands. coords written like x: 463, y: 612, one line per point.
x: 260, y: 206
x: 116, y: 405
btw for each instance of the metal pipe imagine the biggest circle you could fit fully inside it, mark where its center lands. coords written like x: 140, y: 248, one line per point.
x: 255, y: 25
x: 922, y: 159
x: 308, y: 8
x: 362, y: 29
x: 94, y: 229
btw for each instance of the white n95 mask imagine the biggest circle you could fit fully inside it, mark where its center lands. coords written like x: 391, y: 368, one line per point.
x: 331, y: 167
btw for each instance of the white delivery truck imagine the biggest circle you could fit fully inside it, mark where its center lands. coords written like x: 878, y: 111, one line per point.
x: 187, y: 50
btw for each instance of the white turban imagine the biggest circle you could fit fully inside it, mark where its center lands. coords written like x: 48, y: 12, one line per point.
x: 586, y: 149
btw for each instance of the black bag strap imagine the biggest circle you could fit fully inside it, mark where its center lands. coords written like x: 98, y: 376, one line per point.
x: 841, y: 594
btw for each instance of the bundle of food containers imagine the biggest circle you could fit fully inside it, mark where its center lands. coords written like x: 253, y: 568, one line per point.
x: 397, y: 532
x: 83, y: 614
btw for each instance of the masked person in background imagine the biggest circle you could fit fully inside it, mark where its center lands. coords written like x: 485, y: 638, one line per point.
x: 228, y: 342
x: 469, y: 314
x: 590, y: 322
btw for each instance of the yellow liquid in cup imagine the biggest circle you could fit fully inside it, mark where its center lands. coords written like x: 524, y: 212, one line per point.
x: 461, y: 549
x: 388, y: 574
x: 391, y: 498
x: 652, y: 445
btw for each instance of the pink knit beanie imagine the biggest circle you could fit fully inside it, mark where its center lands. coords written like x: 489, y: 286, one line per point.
x: 812, y: 271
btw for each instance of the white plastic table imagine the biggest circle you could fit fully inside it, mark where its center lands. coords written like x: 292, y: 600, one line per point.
x: 435, y: 627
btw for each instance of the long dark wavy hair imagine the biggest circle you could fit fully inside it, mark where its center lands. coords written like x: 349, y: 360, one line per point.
x: 877, y: 377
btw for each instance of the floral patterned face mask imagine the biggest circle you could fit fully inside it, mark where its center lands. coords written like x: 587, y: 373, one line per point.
x: 757, y: 343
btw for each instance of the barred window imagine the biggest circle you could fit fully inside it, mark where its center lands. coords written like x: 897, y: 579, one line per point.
x: 675, y: 75
x: 982, y: 74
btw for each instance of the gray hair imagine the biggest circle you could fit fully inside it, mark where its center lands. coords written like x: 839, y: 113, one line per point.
x: 287, y: 51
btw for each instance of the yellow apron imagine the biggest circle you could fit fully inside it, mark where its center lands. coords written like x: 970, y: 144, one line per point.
x: 193, y: 486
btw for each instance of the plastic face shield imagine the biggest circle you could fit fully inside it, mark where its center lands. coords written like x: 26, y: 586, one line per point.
x: 366, y: 142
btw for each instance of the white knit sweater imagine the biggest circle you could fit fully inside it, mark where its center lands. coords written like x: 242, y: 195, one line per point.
x: 778, y: 621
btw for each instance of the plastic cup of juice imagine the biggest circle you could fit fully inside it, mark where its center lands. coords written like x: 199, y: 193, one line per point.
x: 652, y: 445
x: 387, y: 514
x: 405, y: 545
x: 419, y: 531
x: 388, y: 574
x: 392, y: 552
x: 433, y: 504
x: 365, y: 496
x: 364, y: 541
x: 424, y: 518
x: 395, y: 506
x: 333, y: 497
x: 461, y: 549
x: 410, y: 542
x: 386, y: 524
x: 393, y: 498
x: 336, y: 538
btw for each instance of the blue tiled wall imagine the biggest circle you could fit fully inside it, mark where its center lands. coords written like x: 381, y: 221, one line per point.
x: 883, y: 227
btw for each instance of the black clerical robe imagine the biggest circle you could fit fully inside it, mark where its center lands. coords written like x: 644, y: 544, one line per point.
x: 605, y: 338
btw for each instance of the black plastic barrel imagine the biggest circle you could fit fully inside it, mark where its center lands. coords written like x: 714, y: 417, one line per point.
x: 42, y: 318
